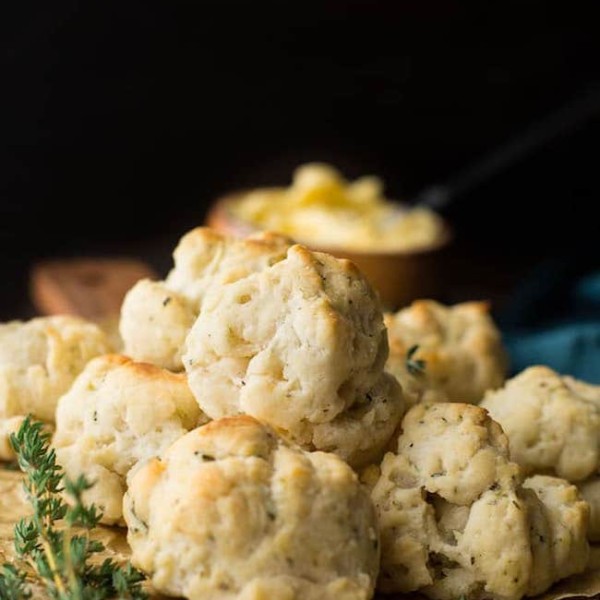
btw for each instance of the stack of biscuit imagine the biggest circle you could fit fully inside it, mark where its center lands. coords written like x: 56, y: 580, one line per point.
x: 269, y: 433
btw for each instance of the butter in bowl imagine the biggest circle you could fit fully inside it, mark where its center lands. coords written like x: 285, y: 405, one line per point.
x: 398, y: 247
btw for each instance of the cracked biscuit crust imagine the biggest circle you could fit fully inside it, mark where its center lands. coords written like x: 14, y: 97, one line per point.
x: 39, y: 360
x: 590, y: 492
x: 567, y: 514
x: 460, y: 345
x: 301, y: 346
x: 117, y: 413
x: 455, y: 520
x: 552, y: 422
x: 233, y: 511
x: 156, y: 316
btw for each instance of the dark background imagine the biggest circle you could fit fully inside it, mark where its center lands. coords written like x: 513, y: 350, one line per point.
x: 121, y: 121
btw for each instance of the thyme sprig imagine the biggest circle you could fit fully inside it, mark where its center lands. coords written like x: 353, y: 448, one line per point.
x: 59, y: 558
x: 415, y: 366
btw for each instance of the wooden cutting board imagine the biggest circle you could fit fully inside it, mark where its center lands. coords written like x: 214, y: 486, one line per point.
x: 92, y: 288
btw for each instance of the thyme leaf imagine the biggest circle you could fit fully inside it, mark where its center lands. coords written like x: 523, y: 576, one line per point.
x: 59, y: 557
x: 415, y: 366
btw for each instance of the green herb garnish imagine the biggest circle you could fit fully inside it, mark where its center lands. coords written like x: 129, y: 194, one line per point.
x: 59, y: 558
x: 414, y: 366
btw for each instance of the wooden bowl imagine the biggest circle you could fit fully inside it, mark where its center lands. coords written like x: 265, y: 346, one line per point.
x: 399, y: 276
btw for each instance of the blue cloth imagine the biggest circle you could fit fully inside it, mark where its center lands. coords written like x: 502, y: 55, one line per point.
x: 555, y: 324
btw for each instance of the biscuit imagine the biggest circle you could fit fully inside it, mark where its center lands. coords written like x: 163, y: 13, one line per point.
x: 455, y: 520
x: 232, y: 511
x: 39, y: 360
x: 552, y: 422
x: 156, y: 316
x: 117, y: 413
x: 155, y: 322
x: 204, y: 257
x: 590, y: 492
x: 460, y: 346
x: 567, y: 514
x: 300, y: 346
x: 460, y: 451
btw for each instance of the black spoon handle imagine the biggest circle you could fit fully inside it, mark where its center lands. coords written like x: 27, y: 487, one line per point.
x: 557, y: 123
